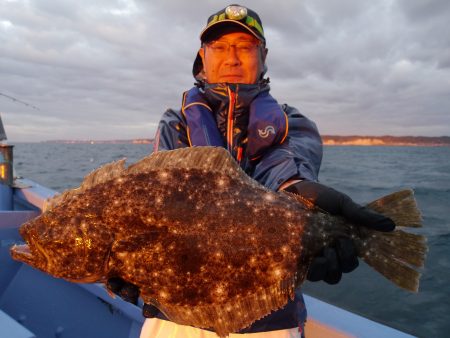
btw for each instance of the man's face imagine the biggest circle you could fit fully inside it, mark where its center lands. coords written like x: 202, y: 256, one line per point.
x: 233, y: 58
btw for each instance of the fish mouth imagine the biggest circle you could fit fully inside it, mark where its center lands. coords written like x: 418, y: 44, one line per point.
x: 30, y: 253
x: 38, y: 259
x: 22, y: 253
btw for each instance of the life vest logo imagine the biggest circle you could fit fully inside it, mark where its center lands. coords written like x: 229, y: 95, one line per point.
x: 266, y: 132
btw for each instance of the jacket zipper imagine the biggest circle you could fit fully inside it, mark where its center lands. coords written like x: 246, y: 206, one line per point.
x: 230, y: 120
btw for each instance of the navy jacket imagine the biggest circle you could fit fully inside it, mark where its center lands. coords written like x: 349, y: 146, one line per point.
x: 298, y: 156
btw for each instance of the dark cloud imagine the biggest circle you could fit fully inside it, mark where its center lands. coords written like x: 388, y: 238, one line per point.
x: 428, y: 31
x: 108, y: 69
x: 421, y: 11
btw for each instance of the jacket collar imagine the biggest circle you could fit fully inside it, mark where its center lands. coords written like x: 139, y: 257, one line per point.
x: 218, y: 98
x: 217, y: 94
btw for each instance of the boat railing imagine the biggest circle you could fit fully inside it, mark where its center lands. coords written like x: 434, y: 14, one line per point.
x: 34, y: 304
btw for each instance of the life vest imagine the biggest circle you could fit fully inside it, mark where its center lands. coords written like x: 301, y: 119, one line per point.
x: 267, y: 123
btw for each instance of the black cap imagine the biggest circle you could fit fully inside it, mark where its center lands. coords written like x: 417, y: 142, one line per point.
x: 233, y: 16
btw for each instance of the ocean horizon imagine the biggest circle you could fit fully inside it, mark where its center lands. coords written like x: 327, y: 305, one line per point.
x: 329, y: 140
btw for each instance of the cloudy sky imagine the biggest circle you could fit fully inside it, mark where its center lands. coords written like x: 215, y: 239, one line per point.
x: 108, y: 69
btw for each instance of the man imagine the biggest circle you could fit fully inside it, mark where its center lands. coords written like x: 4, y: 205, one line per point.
x: 231, y: 107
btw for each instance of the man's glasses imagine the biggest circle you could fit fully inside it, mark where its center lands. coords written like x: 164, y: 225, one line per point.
x: 241, y: 47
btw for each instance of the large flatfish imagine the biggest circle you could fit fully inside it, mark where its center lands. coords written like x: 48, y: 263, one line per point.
x: 205, y: 243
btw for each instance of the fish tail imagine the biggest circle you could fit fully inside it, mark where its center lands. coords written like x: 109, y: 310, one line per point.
x: 397, y: 255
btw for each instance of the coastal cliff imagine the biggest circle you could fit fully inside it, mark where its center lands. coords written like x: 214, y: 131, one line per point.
x: 356, y: 140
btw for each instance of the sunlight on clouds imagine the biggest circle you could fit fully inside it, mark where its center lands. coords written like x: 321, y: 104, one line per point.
x: 403, y: 66
x: 402, y: 73
x: 128, y: 7
x: 5, y: 24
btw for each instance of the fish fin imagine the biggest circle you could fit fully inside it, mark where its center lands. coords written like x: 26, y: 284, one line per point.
x: 103, y: 174
x: 397, y: 255
x: 221, y: 317
x: 207, y: 158
x: 401, y: 207
x: 304, y: 201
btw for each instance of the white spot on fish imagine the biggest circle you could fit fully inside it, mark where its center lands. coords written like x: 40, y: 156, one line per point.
x: 163, y: 175
x: 163, y: 294
x: 221, y: 182
x: 277, y: 272
x: 269, y: 197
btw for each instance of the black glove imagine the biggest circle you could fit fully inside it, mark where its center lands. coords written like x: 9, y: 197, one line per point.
x: 340, y: 257
x: 149, y: 310
x: 127, y: 291
x: 337, y: 203
x: 130, y: 293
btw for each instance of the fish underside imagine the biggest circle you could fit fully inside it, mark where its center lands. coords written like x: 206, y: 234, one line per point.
x: 205, y: 243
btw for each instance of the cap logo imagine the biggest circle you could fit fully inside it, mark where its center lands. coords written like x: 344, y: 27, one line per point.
x: 253, y: 23
x: 236, y: 12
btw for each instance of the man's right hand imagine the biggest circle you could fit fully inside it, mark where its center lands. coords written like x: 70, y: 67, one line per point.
x: 127, y: 291
x: 339, y: 257
x: 130, y: 293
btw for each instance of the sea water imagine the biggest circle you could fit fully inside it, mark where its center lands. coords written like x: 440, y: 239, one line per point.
x: 365, y: 173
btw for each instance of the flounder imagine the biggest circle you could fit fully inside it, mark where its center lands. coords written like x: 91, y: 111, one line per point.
x: 205, y: 243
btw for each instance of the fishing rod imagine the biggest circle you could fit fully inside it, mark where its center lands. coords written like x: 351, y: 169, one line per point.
x: 19, y: 101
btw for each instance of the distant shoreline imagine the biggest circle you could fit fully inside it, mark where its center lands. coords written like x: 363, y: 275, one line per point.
x: 328, y: 140
x: 413, y: 141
